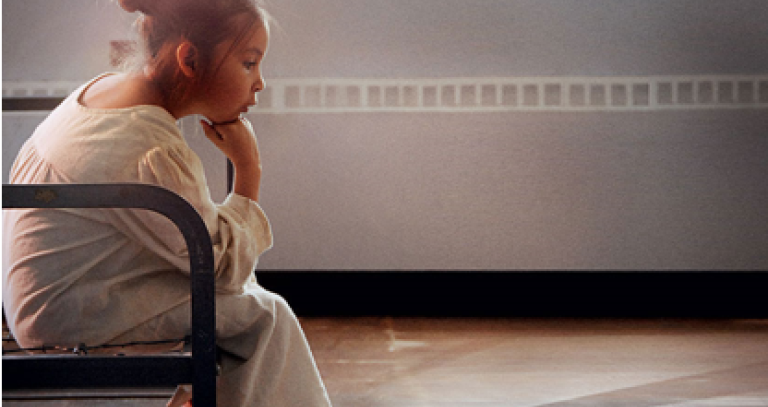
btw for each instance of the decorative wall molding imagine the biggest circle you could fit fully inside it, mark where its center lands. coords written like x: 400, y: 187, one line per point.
x: 39, y: 89
x: 484, y: 94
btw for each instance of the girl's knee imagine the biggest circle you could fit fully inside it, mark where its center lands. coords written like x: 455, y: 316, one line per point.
x: 275, y: 305
x: 282, y: 310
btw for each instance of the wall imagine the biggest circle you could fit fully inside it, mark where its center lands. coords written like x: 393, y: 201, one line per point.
x: 69, y: 39
x: 659, y: 190
x: 427, y: 38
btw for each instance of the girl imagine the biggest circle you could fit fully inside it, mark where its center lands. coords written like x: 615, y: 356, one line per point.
x: 128, y: 268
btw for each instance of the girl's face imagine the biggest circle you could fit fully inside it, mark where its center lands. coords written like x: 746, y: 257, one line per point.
x: 233, y: 88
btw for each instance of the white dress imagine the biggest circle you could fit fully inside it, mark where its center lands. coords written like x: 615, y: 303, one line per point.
x: 115, y: 275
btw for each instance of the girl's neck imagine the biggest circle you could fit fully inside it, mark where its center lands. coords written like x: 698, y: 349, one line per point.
x: 127, y: 90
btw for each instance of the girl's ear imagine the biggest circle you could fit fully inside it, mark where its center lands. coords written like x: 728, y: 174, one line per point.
x: 187, y: 59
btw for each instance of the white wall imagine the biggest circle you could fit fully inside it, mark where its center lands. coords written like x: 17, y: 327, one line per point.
x: 518, y: 191
x: 69, y: 39
x: 502, y: 191
x: 60, y: 40
x: 427, y: 38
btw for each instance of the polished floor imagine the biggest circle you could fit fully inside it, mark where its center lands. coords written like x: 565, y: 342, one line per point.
x: 386, y: 362
x: 418, y: 362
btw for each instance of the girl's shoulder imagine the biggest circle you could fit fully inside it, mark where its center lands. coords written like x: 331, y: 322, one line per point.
x: 104, y: 103
x: 73, y: 123
x: 118, y: 91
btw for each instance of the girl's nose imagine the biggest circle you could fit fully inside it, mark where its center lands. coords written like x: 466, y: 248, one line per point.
x: 259, y: 85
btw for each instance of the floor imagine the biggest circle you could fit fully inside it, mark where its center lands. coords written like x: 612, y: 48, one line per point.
x: 413, y: 362
x: 385, y: 362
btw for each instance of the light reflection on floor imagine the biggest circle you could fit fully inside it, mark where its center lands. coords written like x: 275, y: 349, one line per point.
x: 382, y: 362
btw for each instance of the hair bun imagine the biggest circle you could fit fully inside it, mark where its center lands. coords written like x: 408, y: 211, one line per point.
x: 134, y: 5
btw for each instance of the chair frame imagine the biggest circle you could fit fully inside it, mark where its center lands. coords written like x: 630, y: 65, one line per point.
x: 47, y: 372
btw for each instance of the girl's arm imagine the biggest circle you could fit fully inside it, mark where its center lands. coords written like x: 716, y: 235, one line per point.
x: 239, y: 228
x: 238, y: 142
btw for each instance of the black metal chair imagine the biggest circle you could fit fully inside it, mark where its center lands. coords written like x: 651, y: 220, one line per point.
x: 32, y: 372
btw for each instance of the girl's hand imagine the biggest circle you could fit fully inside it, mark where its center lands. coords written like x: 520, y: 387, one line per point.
x: 238, y: 142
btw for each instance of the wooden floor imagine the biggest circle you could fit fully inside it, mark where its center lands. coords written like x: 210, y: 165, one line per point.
x: 385, y: 362
x: 418, y: 362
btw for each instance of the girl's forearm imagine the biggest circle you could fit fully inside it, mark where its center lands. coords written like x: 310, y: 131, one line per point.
x: 247, y: 180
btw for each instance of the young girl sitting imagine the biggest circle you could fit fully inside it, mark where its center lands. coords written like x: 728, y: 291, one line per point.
x: 117, y: 275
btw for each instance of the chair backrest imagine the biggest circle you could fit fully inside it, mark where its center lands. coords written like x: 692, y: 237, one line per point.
x: 190, y: 224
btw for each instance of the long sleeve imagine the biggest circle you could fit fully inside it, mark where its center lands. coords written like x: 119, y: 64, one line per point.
x: 239, y: 228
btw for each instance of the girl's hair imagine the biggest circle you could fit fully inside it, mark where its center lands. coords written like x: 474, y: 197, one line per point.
x: 163, y: 24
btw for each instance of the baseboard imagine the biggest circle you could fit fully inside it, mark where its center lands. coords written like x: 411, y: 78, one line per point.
x: 522, y: 294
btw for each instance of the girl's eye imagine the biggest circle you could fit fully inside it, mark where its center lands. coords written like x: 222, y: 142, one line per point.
x: 249, y: 65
